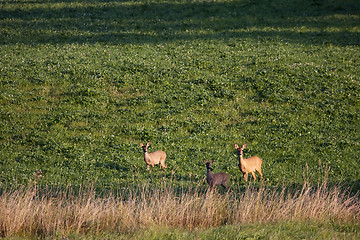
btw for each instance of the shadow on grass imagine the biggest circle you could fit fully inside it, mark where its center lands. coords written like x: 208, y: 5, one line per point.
x: 122, y: 22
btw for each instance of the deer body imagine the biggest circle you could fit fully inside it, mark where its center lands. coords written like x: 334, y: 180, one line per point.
x: 157, y: 157
x: 249, y: 165
x: 214, y: 179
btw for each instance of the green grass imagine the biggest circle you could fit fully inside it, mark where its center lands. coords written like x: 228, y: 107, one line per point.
x: 290, y: 230
x: 84, y: 82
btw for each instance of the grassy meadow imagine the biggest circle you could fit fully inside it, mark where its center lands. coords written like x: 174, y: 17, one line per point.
x: 84, y: 82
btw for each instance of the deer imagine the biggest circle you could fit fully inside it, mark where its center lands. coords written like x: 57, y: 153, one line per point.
x: 214, y: 179
x: 157, y: 157
x: 249, y: 165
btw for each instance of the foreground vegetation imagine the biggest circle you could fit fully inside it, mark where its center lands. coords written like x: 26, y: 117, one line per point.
x: 51, y: 212
x: 289, y: 230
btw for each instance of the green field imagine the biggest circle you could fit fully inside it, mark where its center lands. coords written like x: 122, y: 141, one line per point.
x: 254, y: 231
x: 84, y: 82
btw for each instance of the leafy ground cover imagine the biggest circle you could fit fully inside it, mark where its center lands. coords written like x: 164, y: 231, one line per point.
x: 84, y: 82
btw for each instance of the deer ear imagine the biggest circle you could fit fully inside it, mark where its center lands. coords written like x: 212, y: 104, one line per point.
x: 236, y: 146
x: 141, y: 145
x: 244, y: 146
x: 204, y: 160
x: 148, y: 144
x: 212, y: 161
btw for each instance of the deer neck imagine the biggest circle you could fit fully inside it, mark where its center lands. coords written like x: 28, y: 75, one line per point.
x: 146, y: 155
x: 241, y: 160
x: 209, y: 174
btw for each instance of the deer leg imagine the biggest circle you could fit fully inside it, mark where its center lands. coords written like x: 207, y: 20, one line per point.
x: 259, y: 171
x: 147, y: 166
x: 245, y: 177
x: 254, y: 176
x: 163, y: 165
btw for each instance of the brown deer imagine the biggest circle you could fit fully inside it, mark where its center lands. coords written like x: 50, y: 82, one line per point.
x: 214, y: 179
x: 249, y: 165
x: 157, y: 157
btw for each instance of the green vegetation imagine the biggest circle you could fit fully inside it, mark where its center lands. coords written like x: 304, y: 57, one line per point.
x: 82, y: 83
x: 291, y: 230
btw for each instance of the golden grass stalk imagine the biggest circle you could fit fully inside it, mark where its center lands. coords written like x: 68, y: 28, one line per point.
x: 27, y: 211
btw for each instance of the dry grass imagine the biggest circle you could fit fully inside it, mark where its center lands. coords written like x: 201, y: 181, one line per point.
x: 28, y: 211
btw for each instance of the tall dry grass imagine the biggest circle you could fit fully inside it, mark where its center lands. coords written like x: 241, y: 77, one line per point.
x: 28, y: 211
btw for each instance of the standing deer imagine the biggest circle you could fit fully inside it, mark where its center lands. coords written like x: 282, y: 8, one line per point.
x: 154, y: 157
x: 214, y: 179
x: 249, y: 165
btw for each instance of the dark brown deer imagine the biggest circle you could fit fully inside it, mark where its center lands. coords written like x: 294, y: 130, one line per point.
x: 214, y: 179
